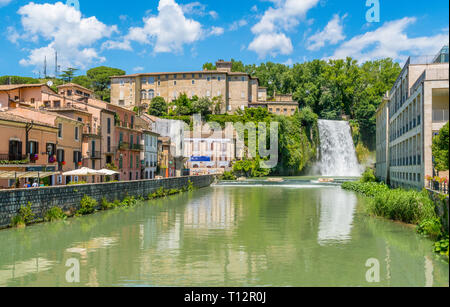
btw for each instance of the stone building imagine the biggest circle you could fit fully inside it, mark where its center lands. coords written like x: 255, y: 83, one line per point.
x: 416, y: 108
x: 237, y: 89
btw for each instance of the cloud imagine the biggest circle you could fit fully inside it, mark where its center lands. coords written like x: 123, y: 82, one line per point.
x: 271, y: 44
x: 197, y: 8
x: 5, y: 2
x: 216, y: 31
x: 168, y: 31
x: 138, y: 68
x: 285, y: 16
x: 333, y: 33
x: 237, y: 24
x: 65, y: 31
x: 390, y: 40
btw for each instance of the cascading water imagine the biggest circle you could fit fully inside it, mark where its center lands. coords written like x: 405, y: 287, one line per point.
x: 337, y: 151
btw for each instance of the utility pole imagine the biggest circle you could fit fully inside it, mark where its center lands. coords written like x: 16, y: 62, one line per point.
x: 56, y: 64
x: 45, y: 67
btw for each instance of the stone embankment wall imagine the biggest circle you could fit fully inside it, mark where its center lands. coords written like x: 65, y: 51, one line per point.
x: 442, y: 206
x: 68, y: 198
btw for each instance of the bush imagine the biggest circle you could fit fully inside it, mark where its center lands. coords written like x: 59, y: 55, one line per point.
x: 227, y: 176
x: 431, y: 227
x: 368, y: 176
x: 25, y: 216
x: 88, y: 205
x: 54, y: 214
x: 441, y: 247
x: 407, y: 206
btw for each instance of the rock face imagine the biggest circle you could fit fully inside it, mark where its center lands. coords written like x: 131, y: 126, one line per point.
x: 68, y: 197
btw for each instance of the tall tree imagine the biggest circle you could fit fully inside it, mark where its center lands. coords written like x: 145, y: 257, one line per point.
x: 68, y: 75
x: 100, y: 79
x: 440, y: 149
x: 158, y: 107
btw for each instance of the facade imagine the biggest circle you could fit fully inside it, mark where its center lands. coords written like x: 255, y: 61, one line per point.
x: 23, y: 144
x: 150, y: 154
x: 128, y: 137
x: 174, y: 131
x: 166, y: 161
x: 237, y: 89
x: 279, y: 104
x: 418, y: 107
x: 382, y: 137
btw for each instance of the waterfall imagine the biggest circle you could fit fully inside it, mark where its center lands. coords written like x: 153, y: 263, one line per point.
x: 337, y: 151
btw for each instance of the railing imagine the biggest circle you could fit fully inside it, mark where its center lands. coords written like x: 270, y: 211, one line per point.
x: 96, y: 155
x: 13, y: 158
x: 440, y: 116
x: 124, y: 146
x: 136, y: 147
x: 441, y: 187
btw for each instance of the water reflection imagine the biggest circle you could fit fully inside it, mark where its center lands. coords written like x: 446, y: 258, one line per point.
x: 224, y: 236
x: 337, y: 210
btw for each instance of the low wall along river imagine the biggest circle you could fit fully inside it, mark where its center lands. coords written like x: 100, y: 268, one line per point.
x: 69, y: 197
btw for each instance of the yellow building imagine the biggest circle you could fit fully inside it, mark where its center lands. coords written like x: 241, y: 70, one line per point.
x: 237, y: 89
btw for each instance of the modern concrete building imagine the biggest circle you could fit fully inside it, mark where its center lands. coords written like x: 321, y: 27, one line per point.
x: 416, y: 108
x: 237, y: 89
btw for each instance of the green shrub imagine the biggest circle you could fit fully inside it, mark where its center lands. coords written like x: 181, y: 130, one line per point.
x: 54, y: 214
x: 24, y: 217
x: 441, y: 247
x: 227, y: 176
x: 431, y: 227
x: 368, y: 176
x: 406, y: 206
x: 88, y: 205
x: 107, y: 205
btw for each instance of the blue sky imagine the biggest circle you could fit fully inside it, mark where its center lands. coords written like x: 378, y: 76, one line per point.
x: 179, y: 35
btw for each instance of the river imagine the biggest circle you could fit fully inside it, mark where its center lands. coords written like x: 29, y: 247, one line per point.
x: 291, y: 234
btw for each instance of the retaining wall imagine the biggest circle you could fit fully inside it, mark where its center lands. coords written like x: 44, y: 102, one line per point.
x: 68, y: 198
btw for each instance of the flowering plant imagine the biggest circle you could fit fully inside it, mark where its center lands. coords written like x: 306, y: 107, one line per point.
x: 63, y: 163
x: 51, y: 159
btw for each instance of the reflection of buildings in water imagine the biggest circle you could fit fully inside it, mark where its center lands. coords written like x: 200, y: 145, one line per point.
x: 212, y: 211
x: 337, y: 209
x: 170, y: 240
x: 24, y: 268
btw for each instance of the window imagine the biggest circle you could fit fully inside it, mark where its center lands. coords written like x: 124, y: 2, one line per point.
x: 60, y: 126
x: 108, y: 125
x: 174, y: 76
x: 174, y: 82
x: 243, y: 78
x: 151, y: 80
x: 159, y: 83
x: 131, y: 162
x: 57, y: 104
x: 193, y: 75
x: 122, y: 82
x: 77, y: 134
x: 208, y: 79
x: 151, y: 94
x: 108, y: 144
x: 15, y: 151
x: 184, y: 76
x: 69, y: 92
x: 32, y: 100
x: 131, y: 140
x: 218, y: 78
x: 60, y: 156
x: 193, y: 81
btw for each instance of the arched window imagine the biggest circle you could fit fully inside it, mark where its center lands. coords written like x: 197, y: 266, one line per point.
x: 143, y: 94
x: 151, y: 94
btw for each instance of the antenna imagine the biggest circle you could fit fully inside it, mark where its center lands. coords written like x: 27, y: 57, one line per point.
x: 56, y: 64
x: 45, y: 67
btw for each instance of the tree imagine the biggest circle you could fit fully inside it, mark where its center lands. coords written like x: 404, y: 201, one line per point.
x: 68, y: 75
x: 83, y: 81
x: 202, y: 106
x: 183, y: 105
x: 100, y: 80
x: 17, y: 80
x: 440, y: 149
x: 158, y: 107
x: 209, y: 66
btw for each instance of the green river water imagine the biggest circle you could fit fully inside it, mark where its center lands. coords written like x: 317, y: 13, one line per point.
x: 291, y: 234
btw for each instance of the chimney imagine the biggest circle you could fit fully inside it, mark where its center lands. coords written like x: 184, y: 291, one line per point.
x: 223, y: 66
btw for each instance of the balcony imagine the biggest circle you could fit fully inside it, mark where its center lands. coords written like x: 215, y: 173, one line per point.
x: 124, y: 146
x: 13, y: 159
x: 137, y: 147
x: 95, y: 155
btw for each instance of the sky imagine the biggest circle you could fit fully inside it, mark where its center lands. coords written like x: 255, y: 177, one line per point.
x: 181, y: 35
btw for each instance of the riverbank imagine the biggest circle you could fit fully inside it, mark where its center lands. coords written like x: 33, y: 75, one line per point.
x: 408, y: 206
x: 69, y: 198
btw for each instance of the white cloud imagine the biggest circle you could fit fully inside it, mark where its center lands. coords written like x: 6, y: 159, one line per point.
x: 216, y: 31
x: 271, y: 44
x: 285, y: 16
x: 169, y: 30
x: 5, y: 2
x: 237, y: 24
x: 138, y: 68
x: 333, y: 33
x: 390, y: 40
x: 66, y: 32
x: 197, y: 8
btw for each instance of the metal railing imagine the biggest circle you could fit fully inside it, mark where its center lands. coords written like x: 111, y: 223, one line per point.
x: 13, y: 157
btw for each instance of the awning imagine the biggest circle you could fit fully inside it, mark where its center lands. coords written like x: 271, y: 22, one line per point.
x: 18, y: 175
x: 107, y: 172
x: 82, y: 172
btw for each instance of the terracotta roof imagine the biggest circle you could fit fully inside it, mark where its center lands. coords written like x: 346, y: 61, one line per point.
x: 74, y: 85
x: 31, y: 114
x: 16, y: 118
x: 16, y: 86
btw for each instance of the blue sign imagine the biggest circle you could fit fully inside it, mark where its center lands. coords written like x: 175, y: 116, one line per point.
x: 200, y: 159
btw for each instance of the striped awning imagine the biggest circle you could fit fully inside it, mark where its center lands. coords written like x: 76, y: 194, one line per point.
x: 18, y: 175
